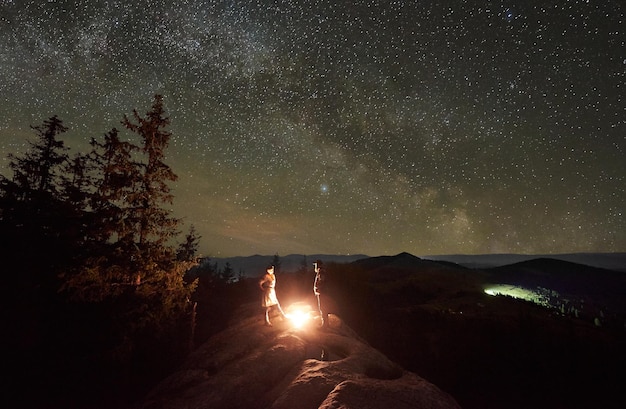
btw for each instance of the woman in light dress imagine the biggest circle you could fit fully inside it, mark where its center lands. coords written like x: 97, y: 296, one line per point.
x: 269, y: 300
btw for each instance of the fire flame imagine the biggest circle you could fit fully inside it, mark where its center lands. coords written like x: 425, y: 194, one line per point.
x: 299, y: 314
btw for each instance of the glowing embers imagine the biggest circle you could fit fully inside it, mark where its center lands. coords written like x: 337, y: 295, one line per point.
x: 299, y: 314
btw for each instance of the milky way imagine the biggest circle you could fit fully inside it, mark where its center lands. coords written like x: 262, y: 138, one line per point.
x: 340, y: 127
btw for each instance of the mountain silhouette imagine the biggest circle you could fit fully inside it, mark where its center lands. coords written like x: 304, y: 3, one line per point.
x: 572, y: 280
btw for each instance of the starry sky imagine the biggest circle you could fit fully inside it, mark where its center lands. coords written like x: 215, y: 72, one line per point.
x: 347, y: 127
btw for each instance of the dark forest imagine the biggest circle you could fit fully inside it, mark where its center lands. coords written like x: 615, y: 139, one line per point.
x: 96, y: 300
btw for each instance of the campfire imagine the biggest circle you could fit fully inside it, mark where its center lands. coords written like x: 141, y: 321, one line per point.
x: 299, y: 314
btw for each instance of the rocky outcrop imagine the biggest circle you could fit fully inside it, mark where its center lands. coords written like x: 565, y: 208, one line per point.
x: 250, y: 365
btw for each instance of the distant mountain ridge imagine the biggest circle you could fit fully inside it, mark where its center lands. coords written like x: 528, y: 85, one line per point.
x: 252, y: 266
x: 609, y: 261
x: 571, y: 281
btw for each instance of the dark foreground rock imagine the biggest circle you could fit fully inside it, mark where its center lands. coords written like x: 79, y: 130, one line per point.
x: 253, y: 366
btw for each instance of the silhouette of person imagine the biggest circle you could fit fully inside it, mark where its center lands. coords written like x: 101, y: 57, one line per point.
x: 320, y: 290
x: 269, y: 300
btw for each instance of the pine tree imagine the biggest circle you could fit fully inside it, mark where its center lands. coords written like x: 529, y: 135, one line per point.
x: 228, y: 274
x: 78, y: 184
x: 188, y: 250
x: 109, y: 268
x: 160, y: 277
x: 38, y: 170
x: 39, y: 229
x: 276, y: 263
x: 119, y: 179
x: 136, y: 264
x: 33, y: 215
x: 155, y: 225
x: 77, y: 224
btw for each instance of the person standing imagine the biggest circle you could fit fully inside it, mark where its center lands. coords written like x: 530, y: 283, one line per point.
x: 319, y: 288
x: 269, y: 300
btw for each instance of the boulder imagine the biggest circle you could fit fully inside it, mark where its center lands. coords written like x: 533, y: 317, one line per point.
x: 250, y: 365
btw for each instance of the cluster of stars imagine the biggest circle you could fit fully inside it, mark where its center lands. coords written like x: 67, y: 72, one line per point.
x: 368, y: 127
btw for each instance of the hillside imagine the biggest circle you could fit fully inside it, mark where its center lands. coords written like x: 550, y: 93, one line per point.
x: 435, y: 319
x: 609, y: 261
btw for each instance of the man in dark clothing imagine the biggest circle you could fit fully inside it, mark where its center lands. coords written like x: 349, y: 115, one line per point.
x: 320, y: 290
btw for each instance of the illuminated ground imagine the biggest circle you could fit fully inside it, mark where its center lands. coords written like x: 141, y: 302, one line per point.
x: 522, y: 293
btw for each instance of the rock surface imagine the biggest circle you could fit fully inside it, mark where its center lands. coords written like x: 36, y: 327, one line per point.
x: 250, y: 365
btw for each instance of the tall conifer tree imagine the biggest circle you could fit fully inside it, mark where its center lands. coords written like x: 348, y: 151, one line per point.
x: 32, y: 210
x: 137, y: 262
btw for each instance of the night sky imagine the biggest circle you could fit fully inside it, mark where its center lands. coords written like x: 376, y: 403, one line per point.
x: 370, y: 127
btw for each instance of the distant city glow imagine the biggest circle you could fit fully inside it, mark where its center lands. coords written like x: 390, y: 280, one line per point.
x: 517, y: 292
